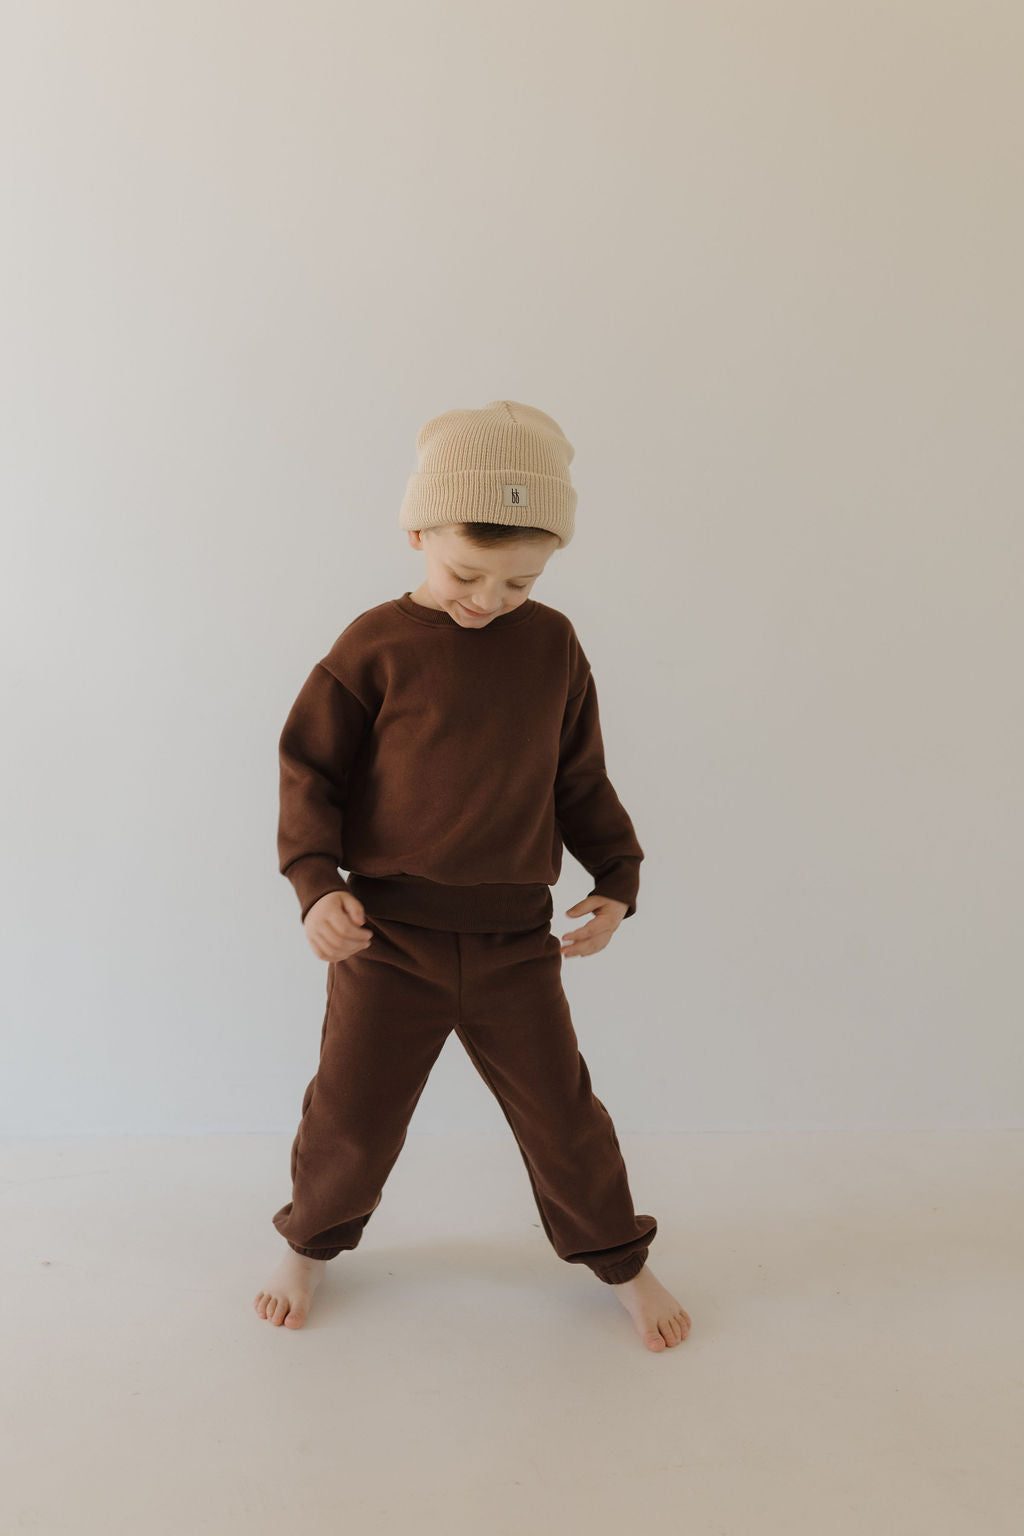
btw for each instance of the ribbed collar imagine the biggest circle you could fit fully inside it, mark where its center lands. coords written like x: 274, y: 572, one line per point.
x: 441, y: 616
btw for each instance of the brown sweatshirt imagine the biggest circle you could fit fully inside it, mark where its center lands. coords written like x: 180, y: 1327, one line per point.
x: 446, y: 767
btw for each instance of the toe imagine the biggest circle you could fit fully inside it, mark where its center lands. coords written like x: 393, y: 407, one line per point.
x: 654, y: 1341
x: 295, y: 1318
x: 665, y: 1329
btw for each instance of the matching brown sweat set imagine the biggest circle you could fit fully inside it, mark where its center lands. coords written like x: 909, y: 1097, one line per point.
x: 445, y: 768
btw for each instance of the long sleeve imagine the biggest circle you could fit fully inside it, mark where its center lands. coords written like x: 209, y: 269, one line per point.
x: 322, y: 734
x: 594, y: 825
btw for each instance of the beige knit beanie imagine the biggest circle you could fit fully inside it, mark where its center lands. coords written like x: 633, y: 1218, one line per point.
x: 505, y: 463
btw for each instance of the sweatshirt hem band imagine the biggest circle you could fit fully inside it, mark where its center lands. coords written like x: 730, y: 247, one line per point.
x: 457, y: 908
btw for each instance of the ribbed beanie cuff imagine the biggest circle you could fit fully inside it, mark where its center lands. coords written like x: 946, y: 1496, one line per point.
x: 505, y: 463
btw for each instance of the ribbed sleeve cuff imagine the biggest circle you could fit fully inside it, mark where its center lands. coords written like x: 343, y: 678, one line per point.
x: 621, y: 884
x: 312, y: 878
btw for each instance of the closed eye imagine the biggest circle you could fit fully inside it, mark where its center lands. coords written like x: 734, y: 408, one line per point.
x: 467, y: 581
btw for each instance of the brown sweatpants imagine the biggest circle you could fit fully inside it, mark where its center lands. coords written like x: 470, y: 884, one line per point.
x: 389, y: 1010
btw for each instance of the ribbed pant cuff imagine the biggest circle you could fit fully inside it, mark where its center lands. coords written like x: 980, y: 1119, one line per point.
x: 315, y: 1253
x: 618, y: 1274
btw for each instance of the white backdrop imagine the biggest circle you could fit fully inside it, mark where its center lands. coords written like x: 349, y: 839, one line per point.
x: 762, y: 263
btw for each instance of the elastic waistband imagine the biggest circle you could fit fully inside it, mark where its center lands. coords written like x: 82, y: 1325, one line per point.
x: 457, y: 908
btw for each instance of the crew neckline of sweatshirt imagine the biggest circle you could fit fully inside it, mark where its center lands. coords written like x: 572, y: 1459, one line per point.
x: 440, y: 616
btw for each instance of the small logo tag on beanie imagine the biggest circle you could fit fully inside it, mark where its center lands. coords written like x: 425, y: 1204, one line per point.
x: 516, y: 496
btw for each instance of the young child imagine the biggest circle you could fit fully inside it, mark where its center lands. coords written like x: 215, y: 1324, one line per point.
x: 443, y: 752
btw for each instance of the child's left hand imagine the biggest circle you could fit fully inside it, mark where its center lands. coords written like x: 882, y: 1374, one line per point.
x: 593, y: 936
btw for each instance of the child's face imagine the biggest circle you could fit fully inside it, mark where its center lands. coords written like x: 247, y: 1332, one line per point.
x: 476, y: 585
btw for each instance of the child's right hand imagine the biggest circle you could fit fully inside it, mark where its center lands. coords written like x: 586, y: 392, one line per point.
x: 333, y: 928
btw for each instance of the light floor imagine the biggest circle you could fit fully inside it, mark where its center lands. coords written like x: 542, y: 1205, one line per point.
x: 855, y: 1362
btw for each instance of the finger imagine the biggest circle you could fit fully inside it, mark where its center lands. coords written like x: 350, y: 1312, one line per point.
x: 588, y: 931
x: 344, y: 929
x: 589, y: 946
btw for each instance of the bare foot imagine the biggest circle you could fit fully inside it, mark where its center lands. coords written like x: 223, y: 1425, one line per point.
x: 657, y: 1316
x: 289, y: 1293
